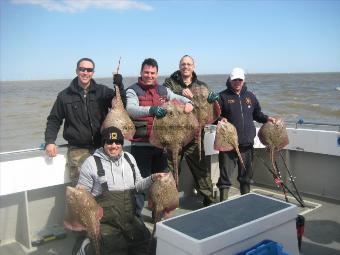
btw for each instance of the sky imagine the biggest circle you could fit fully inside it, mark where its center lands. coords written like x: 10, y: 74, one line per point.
x: 43, y: 39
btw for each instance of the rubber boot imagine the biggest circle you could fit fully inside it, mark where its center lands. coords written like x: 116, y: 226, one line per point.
x: 224, y: 194
x: 244, y: 188
x: 208, y: 200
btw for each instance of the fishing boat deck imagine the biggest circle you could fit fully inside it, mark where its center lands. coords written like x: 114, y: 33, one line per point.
x: 322, y: 219
x: 321, y: 231
x: 312, y: 160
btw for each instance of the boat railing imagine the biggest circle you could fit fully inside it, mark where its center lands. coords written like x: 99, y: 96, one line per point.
x: 37, y: 149
x: 301, y: 122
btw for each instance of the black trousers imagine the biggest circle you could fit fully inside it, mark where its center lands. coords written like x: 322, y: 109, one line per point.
x: 228, y: 161
x: 198, y: 168
x: 149, y: 160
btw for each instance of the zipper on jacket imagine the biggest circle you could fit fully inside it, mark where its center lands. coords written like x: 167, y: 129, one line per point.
x: 240, y: 101
x: 88, y: 114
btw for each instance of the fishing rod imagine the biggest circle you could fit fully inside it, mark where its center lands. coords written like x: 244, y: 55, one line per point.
x: 279, y: 177
x: 291, y: 178
x: 118, y: 66
x: 278, y: 181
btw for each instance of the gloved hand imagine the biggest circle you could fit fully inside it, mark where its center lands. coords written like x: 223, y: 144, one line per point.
x: 118, y: 80
x: 212, y: 97
x: 157, y: 111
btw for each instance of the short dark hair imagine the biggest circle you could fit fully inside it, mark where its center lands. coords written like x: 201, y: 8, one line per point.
x: 85, y: 59
x: 149, y: 62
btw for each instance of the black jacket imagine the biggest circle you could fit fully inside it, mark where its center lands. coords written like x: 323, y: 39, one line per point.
x: 83, y: 115
x: 241, y: 110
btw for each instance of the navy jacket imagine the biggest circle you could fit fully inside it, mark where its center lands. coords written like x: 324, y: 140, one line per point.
x: 241, y: 110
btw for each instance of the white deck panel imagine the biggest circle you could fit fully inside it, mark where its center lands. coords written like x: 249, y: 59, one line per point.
x: 32, y: 173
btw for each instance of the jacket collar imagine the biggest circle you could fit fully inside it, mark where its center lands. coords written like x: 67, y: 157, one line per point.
x: 178, y: 77
x: 76, y: 88
x: 146, y: 87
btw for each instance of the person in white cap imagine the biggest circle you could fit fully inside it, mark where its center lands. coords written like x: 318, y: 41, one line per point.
x: 240, y: 107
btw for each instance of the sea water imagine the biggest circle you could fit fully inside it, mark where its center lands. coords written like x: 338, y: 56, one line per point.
x: 313, y: 97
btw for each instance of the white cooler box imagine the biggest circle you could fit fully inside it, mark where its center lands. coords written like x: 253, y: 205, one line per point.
x: 230, y: 227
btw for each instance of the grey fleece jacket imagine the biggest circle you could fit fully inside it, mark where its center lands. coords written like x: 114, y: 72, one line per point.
x: 118, y: 174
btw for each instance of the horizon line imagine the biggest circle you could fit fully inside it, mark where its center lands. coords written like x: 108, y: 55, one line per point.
x: 163, y: 75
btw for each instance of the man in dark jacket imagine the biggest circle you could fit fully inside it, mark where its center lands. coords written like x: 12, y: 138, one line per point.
x: 83, y: 106
x: 240, y: 107
x: 181, y: 82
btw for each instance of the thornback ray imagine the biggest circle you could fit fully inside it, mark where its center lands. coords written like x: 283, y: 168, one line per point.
x: 205, y: 112
x: 174, y: 131
x: 83, y: 213
x: 274, y: 137
x: 119, y: 118
x: 226, y: 138
x: 163, y: 198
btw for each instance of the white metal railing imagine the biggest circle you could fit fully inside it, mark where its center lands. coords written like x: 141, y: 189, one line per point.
x: 40, y: 148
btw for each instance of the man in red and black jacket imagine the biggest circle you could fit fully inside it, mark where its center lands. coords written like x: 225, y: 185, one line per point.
x: 144, y: 102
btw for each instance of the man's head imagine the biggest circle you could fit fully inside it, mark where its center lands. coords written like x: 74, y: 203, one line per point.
x: 85, y: 71
x: 237, y: 78
x: 149, y: 71
x: 186, y: 66
x: 112, y: 140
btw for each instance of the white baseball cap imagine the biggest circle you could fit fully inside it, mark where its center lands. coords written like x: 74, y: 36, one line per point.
x: 237, y: 73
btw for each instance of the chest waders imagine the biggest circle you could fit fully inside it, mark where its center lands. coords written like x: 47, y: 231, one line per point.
x: 122, y: 232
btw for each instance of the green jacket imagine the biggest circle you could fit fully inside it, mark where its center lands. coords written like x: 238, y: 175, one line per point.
x: 176, y: 84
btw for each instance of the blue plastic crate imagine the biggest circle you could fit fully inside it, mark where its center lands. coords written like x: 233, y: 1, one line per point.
x: 266, y: 247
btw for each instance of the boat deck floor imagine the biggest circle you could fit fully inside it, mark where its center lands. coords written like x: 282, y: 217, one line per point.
x: 321, y: 230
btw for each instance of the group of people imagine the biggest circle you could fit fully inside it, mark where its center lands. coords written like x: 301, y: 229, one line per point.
x: 117, y: 179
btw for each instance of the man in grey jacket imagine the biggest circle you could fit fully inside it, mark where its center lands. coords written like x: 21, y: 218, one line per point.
x: 112, y: 176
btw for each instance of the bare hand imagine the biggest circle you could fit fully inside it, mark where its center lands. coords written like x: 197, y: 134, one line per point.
x: 51, y: 150
x: 158, y: 176
x: 272, y: 120
x: 80, y: 186
x: 187, y: 93
x: 224, y: 120
x: 188, y: 108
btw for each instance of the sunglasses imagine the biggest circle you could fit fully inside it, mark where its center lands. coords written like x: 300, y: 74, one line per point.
x: 84, y: 69
x: 237, y: 80
x: 110, y: 142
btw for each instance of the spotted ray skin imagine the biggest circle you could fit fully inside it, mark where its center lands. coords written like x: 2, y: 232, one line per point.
x: 163, y: 197
x: 205, y: 112
x: 226, y: 138
x: 274, y: 137
x: 119, y: 118
x: 174, y: 131
x: 83, y: 214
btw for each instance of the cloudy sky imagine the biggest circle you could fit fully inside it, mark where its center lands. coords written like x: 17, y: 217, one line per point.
x: 43, y: 39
